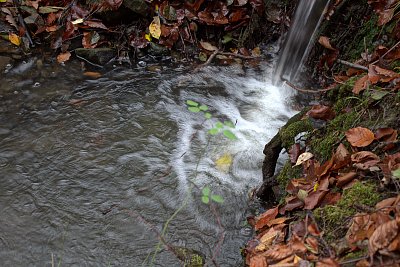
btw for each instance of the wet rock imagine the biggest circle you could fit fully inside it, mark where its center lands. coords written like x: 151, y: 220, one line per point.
x: 99, y: 56
x: 157, y: 50
x: 138, y: 6
x: 4, y: 61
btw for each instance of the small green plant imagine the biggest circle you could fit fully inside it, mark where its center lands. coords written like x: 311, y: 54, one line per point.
x: 205, y: 198
x: 223, y: 127
x: 195, y: 107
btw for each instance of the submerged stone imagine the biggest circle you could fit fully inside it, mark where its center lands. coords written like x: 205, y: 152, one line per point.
x: 100, y: 56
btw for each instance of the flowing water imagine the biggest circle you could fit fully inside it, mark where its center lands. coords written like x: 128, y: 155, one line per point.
x: 299, y: 39
x: 91, y: 169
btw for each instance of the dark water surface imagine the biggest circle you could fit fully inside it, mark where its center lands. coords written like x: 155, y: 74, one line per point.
x: 91, y: 169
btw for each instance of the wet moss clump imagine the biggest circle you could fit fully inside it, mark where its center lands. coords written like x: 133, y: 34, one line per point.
x: 288, y: 133
x: 333, y: 217
x: 190, y: 257
x: 287, y: 173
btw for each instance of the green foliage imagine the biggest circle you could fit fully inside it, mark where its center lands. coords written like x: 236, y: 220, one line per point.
x: 228, y: 134
x: 213, y: 131
x: 192, y: 103
x: 333, y: 216
x: 396, y: 173
x: 207, y: 115
x: 205, y: 198
x: 193, y: 109
x: 203, y: 108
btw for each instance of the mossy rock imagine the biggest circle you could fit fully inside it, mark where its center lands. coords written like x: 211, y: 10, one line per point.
x: 287, y: 173
x: 294, y: 126
x: 333, y: 217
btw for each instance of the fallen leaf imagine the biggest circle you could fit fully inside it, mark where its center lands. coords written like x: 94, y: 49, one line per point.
x: 294, y: 152
x: 360, y: 137
x: 264, y: 218
x: 208, y: 46
x: 341, y: 158
x: 291, y: 205
x: 385, y: 16
x: 258, y: 261
x: 383, y: 235
x: 155, y: 27
x: 321, y: 112
x: 275, y: 221
x: 14, y: 39
x: 313, y: 199
x: 364, y: 160
x: 345, y: 179
x: 92, y: 74
x: 224, y: 162
x: 360, y: 84
x: 312, y: 244
x: 62, y: 57
x: 303, y: 158
x: 324, y: 41
x: 386, y: 134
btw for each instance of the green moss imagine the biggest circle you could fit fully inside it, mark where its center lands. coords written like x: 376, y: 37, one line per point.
x: 333, y: 217
x: 356, y: 254
x: 364, y: 39
x: 190, y: 257
x: 288, y: 133
x: 287, y: 173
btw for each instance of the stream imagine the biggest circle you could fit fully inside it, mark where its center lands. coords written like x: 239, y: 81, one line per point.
x: 92, y: 169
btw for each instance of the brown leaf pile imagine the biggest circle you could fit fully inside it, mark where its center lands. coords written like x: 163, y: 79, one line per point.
x: 285, y: 239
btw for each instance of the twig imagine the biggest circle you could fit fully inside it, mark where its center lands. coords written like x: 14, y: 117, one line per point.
x: 91, y: 63
x: 212, y: 56
x: 352, y: 65
x: 236, y: 55
x: 387, y: 52
x: 307, y: 90
x: 353, y: 260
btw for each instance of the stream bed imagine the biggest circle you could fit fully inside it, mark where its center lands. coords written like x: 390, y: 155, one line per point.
x: 91, y: 169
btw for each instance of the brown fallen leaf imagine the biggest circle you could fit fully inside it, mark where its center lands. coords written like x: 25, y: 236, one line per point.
x: 92, y: 74
x: 264, y: 218
x: 324, y: 41
x: 207, y: 46
x: 360, y: 84
x: 360, y: 137
x: 291, y: 205
x: 383, y: 236
x: 330, y: 199
x: 345, y: 179
x: 386, y: 134
x: 258, y: 261
x: 279, y: 220
x: 62, y: 57
x: 312, y: 244
x: 364, y: 160
x: 314, y: 198
x: 341, y: 158
x: 294, y: 152
x: 321, y: 112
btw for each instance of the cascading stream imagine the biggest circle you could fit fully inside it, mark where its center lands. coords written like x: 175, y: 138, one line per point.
x: 299, y: 39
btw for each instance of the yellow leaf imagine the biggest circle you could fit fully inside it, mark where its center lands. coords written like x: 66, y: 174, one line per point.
x: 3, y: 1
x: 224, y: 162
x: 155, y: 27
x: 14, y: 39
x: 316, y: 186
x: 148, y: 37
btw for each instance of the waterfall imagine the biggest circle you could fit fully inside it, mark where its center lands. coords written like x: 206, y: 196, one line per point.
x: 299, y: 39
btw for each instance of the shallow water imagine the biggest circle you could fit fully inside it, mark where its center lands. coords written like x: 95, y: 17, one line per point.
x: 91, y: 169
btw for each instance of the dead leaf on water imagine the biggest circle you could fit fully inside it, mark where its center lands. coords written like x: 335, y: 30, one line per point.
x: 92, y: 74
x: 224, y: 162
x: 14, y: 39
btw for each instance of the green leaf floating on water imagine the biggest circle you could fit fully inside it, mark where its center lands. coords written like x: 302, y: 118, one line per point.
x: 206, y: 191
x: 229, y: 135
x: 207, y: 115
x: 192, y: 103
x: 229, y: 124
x: 219, y: 125
x: 203, y: 108
x: 213, y: 131
x: 217, y: 198
x: 194, y: 109
x: 205, y: 199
